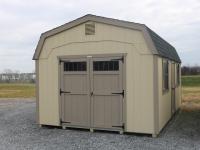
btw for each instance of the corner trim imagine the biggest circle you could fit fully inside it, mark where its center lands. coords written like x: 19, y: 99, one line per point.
x: 37, y: 91
x: 156, y: 95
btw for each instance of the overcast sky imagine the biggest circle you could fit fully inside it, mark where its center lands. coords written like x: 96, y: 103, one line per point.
x: 22, y: 22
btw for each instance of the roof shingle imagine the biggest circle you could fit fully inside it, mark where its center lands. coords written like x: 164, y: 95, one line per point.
x: 164, y: 48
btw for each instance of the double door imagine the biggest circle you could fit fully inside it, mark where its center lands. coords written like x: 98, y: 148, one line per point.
x: 92, y: 92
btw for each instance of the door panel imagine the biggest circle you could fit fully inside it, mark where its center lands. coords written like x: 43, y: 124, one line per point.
x: 75, y: 95
x: 76, y: 110
x: 107, y: 111
x: 106, y: 85
x: 75, y: 83
x: 106, y: 82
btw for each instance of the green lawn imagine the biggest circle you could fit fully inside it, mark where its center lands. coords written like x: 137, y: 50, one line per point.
x: 191, y: 81
x: 17, y: 90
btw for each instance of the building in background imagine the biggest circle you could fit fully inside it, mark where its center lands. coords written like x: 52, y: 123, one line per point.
x: 17, y: 77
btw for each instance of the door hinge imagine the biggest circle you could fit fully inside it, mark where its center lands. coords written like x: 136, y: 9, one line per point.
x: 120, y: 93
x: 117, y: 59
x: 122, y: 126
x: 63, y: 92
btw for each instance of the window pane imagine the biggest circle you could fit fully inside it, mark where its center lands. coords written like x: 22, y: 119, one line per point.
x: 111, y: 65
x: 79, y: 66
x: 165, y: 75
x: 116, y: 65
x: 75, y: 66
x: 106, y: 65
x: 95, y: 66
x: 70, y: 66
x: 83, y: 66
x: 66, y: 67
x: 100, y: 65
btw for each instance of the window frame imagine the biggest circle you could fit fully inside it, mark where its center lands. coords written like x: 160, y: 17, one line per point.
x: 165, y: 75
x: 75, y: 66
x: 105, y: 65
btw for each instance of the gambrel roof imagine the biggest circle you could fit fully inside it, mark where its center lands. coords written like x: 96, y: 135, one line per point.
x: 155, y: 43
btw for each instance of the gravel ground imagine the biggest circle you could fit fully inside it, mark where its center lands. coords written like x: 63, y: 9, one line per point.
x: 18, y: 130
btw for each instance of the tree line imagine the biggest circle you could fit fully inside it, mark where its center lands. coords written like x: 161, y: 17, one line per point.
x: 190, y: 70
x: 11, y: 76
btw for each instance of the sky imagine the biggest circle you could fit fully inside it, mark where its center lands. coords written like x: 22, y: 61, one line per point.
x: 22, y: 22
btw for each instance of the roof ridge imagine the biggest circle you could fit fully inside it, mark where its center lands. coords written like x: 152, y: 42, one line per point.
x: 64, y: 24
x: 91, y: 15
x: 114, y: 19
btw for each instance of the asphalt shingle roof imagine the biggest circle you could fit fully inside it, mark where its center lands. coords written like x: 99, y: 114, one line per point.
x: 164, y: 48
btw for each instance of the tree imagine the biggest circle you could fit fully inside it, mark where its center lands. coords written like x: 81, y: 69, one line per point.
x: 8, y: 75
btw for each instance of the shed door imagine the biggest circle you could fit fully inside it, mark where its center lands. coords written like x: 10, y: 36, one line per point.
x: 75, y: 92
x: 106, y: 93
x: 173, y: 88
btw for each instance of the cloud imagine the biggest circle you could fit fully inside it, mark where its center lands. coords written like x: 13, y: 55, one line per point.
x: 22, y: 22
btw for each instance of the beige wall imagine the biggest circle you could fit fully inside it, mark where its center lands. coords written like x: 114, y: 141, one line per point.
x: 165, y: 98
x: 107, y: 40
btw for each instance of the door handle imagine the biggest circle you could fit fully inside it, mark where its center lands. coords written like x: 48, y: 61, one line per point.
x: 91, y: 94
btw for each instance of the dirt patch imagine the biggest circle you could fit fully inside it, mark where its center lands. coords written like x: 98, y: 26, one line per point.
x: 17, y: 90
x: 190, y: 98
x: 190, y: 106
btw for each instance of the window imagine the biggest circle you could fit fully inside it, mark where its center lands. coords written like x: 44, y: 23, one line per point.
x: 106, y: 65
x: 75, y: 66
x: 178, y: 75
x: 165, y: 75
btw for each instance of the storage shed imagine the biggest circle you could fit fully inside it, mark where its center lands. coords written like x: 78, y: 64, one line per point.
x: 106, y: 74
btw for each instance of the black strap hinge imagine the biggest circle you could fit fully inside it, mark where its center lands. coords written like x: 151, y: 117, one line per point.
x: 63, y: 92
x: 120, y: 93
x: 122, y: 126
x: 64, y: 121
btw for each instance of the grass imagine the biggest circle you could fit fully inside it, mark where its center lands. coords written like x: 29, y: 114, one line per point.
x: 191, y: 81
x: 191, y: 93
x: 17, y: 90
